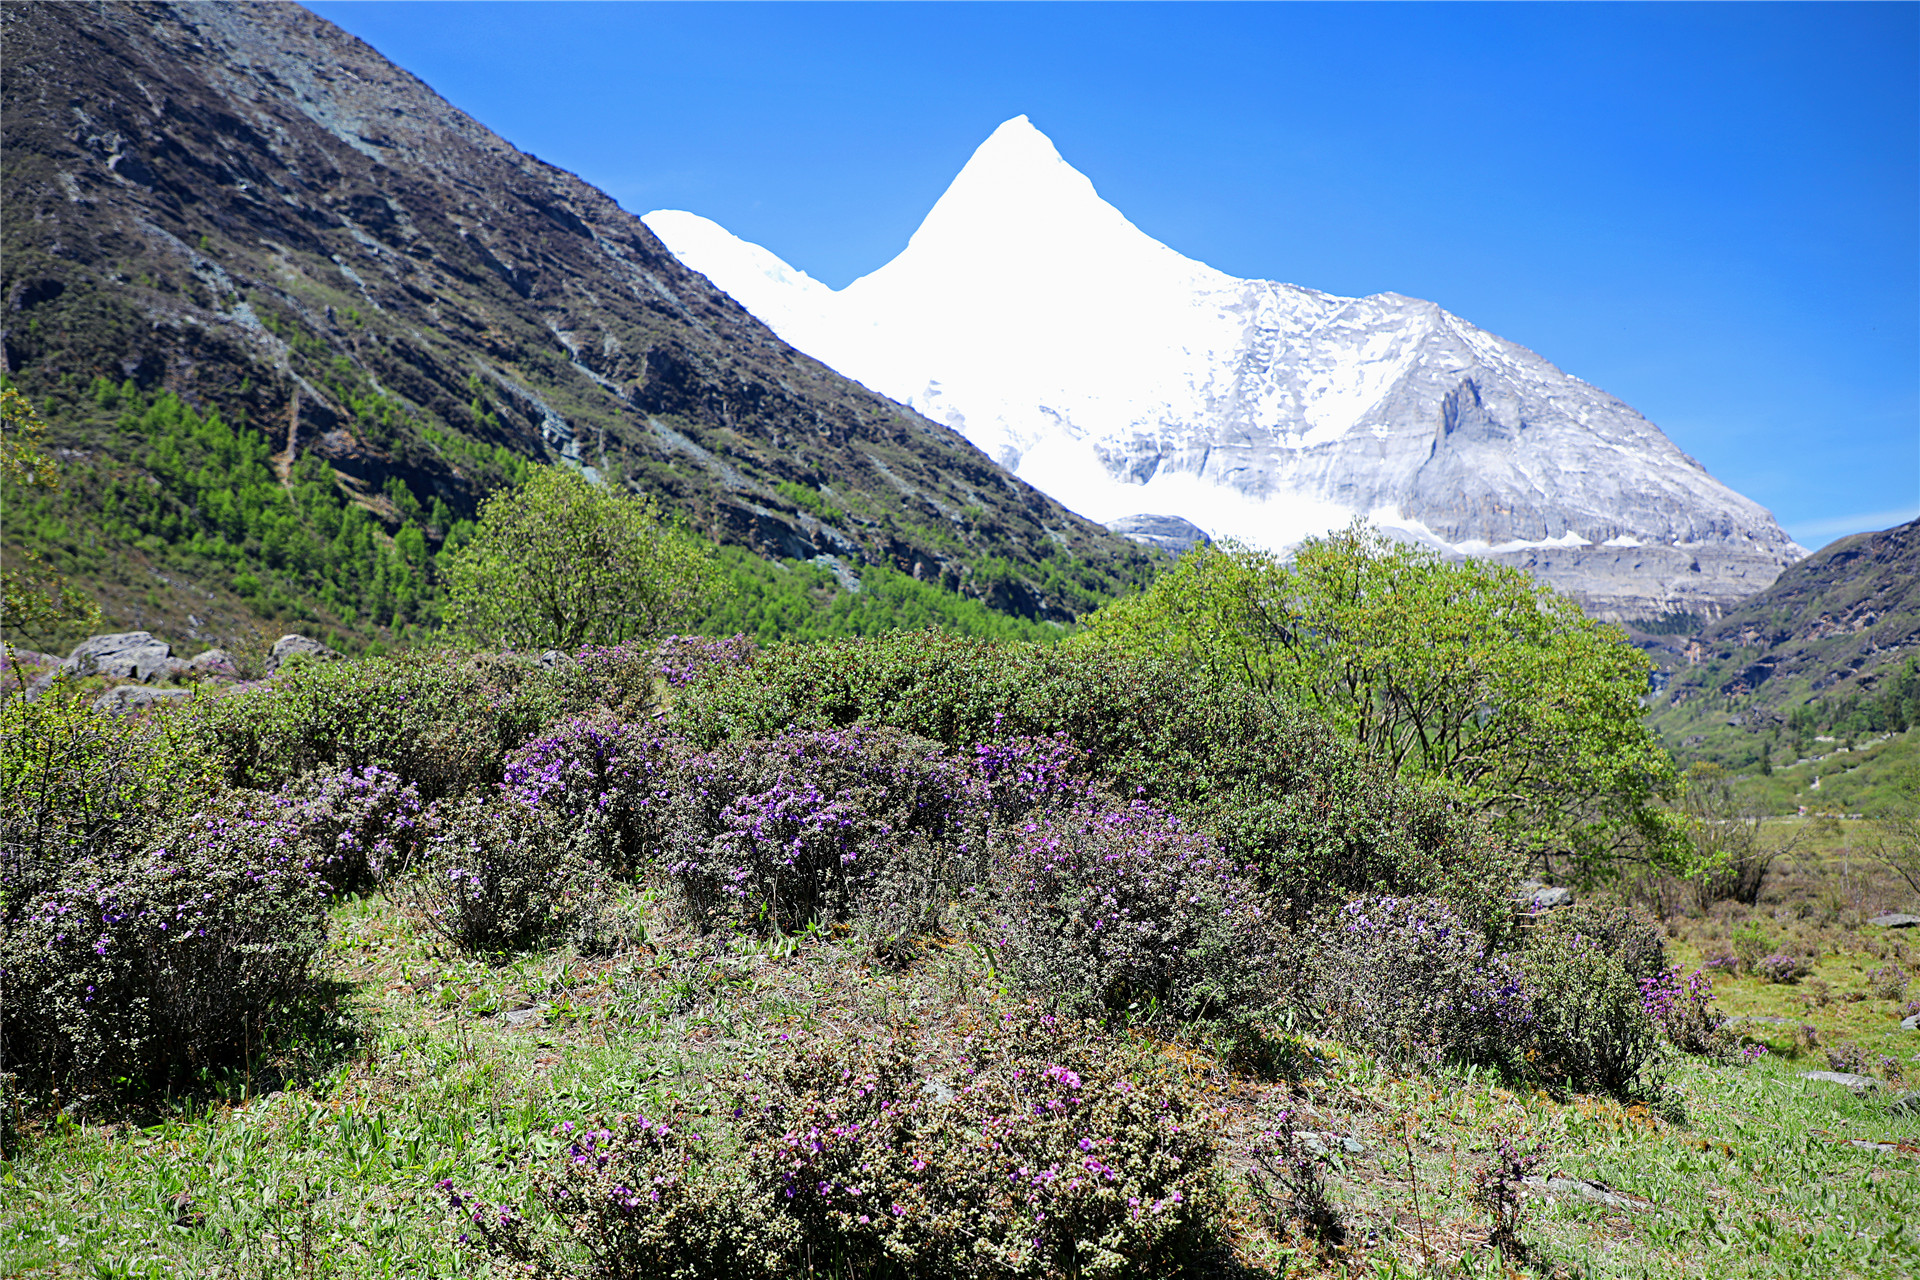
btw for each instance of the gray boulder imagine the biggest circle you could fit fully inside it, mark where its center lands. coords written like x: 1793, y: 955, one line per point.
x: 1910, y: 1023
x: 216, y: 664
x: 1170, y: 534
x: 126, y: 699
x: 1538, y: 896
x: 295, y: 645
x: 1859, y: 1084
x: 126, y: 655
x: 1895, y: 920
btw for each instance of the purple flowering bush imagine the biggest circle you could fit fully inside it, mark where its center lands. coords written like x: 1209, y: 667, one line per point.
x: 1288, y: 1180
x: 1780, y: 968
x: 681, y: 660
x: 496, y: 876
x: 1038, y: 1153
x: 864, y: 826
x: 1590, y: 1029
x: 1887, y: 982
x: 1683, y: 1011
x: 1124, y: 912
x: 609, y: 775
x: 144, y: 966
x: 1412, y: 978
x: 359, y: 827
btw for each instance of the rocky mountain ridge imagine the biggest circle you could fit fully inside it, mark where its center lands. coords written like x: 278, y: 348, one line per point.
x: 244, y: 205
x: 1121, y: 377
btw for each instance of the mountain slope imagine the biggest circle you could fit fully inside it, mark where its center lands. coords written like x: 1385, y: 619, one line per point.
x: 1818, y: 651
x: 246, y: 206
x: 1121, y: 378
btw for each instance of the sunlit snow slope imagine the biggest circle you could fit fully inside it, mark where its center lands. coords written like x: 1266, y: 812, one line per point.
x: 1120, y: 377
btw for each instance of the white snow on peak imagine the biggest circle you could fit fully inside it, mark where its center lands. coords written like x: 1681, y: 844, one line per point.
x: 1120, y: 377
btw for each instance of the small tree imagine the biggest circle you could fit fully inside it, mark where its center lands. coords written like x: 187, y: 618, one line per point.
x: 1471, y: 673
x: 1896, y: 839
x: 563, y: 561
x: 1731, y: 853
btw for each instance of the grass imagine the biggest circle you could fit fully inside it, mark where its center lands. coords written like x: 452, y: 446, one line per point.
x: 460, y: 1069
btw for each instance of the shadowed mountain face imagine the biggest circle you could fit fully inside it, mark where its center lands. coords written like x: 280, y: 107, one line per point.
x: 1836, y: 625
x: 247, y: 206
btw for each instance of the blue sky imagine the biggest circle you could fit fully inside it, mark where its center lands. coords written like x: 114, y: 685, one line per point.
x: 1711, y: 211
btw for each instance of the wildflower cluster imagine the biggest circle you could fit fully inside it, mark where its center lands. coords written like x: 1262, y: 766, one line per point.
x: 1498, y: 1189
x: 1887, y: 982
x: 859, y: 825
x: 1035, y: 1154
x: 1409, y: 977
x: 1288, y: 1181
x: 1123, y: 911
x: 1780, y: 968
x: 141, y: 966
x: 1683, y: 1010
x: 683, y: 659
x: 608, y: 774
x: 359, y: 827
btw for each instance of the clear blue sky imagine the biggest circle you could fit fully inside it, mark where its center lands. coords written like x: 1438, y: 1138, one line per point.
x: 1712, y: 211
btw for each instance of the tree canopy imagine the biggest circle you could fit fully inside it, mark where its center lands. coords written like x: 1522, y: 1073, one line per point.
x: 1470, y: 673
x: 562, y: 561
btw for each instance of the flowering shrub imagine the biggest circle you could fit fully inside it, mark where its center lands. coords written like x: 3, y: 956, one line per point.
x: 607, y: 771
x: 1124, y: 911
x: 1019, y: 775
x: 495, y: 876
x: 1034, y: 1156
x: 1848, y: 1056
x: 1410, y: 977
x: 143, y: 966
x: 1780, y: 968
x: 860, y: 825
x: 1888, y: 982
x: 683, y: 659
x: 1289, y: 1184
x: 1498, y: 1190
x: 1683, y: 1011
x: 1590, y: 1028
x: 358, y: 827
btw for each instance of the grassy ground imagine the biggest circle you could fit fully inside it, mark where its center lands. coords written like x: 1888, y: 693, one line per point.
x: 447, y: 1067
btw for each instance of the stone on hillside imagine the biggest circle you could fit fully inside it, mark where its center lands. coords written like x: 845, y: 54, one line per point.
x: 125, y: 655
x: 1907, y: 1104
x: 1598, y: 1192
x: 1895, y: 920
x: 1859, y: 1084
x: 1543, y: 897
x: 552, y: 658
x: 215, y: 664
x: 125, y: 699
x: 1910, y: 1023
x: 1170, y: 534
x: 290, y: 646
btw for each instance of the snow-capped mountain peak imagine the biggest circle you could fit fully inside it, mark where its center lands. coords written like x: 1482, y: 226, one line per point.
x: 1121, y: 377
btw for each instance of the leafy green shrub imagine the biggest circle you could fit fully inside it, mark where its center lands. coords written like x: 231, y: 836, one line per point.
x: 857, y: 825
x: 1122, y: 912
x: 497, y: 876
x: 1410, y: 978
x: 1887, y: 982
x: 440, y: 718
x: 141, y: 967
x: 1040, y: 1154
x: 1277, y: 787
x: 1590, y: 1029
x: 1750, y: 943
x: 76, y: 785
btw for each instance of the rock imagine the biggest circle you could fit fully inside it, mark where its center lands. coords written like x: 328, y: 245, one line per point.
x: 1859, y: 1084
x: 125, y: 655
x: 1170, y: 534
x: 1548, y: 898
x: 1321, y: 1144
x: 552, y: 658
x: 1895, y: 920
x: 215, y: 664
x: 291, y: 646
x: 125, y: 699
x: 1598, y: 1192
x: 1910, y: 1023
x: 1907, y: 1104
x: 521, y: 1017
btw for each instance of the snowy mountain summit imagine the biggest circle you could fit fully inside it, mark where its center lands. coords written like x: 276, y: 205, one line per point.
x: 1121, y: 378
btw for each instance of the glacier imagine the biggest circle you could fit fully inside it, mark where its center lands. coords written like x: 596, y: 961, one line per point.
x: 1121, y: 378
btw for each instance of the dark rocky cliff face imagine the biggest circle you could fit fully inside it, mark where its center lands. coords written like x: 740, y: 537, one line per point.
x: 251, y: 208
